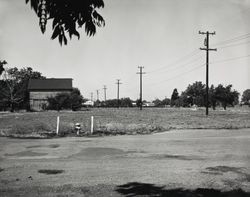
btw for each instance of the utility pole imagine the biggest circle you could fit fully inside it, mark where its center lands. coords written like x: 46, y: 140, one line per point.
x: 207, y: 49
x: 140, y: 73
x: 104, y: 88
x: 118, y: 84
x: 91, y: 94
x: 97, y: 95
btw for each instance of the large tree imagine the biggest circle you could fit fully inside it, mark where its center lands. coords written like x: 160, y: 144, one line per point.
x: 196, y: 92
x: 10, y: 91
x: 246, y: 97
x: 226, y: 96
x: 174, y: 97
x: 67, y: 16
x: 72, y: 100
x: 14, y: 86
x: 2, y: 63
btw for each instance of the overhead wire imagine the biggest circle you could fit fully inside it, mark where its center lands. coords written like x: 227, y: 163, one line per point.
x: 189, y: 55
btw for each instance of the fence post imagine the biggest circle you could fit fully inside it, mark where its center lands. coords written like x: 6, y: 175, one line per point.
x: 92, y: 125
x: 57, y: 125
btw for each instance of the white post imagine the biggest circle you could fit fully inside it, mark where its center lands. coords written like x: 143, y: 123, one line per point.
x: 57, y: 125
x: 92, y: 125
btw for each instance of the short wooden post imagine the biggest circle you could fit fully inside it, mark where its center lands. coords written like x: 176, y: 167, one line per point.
x: 92, y: 125
x: 57, y: 125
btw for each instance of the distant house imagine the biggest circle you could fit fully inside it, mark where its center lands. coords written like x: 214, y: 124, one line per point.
x: 148, y: 104
x: 41, y: 89
x: 88, y: 103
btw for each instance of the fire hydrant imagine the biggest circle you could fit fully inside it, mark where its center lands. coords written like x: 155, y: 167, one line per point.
x: 77, y: 128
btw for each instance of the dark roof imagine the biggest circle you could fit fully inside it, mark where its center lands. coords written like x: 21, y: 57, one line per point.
x: 50, y: 84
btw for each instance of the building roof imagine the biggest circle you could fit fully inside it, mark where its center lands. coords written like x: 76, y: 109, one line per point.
x: 50, y: 84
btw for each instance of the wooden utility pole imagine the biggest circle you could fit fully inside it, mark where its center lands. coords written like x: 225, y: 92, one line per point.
x: 97, y: 95
x: 104, y: 88
x: 140, y: 73
x: 207, y: 49
x: 91, y: 94
x: 118, y: 89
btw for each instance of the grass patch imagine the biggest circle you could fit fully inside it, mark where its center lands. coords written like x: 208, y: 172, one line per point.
x: 111, y: 121
x: 50, y: 172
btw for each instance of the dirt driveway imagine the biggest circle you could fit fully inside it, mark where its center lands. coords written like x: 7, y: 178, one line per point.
x: 173, y: 163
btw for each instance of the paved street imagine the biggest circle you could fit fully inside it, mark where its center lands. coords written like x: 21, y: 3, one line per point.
x: 218, y: 159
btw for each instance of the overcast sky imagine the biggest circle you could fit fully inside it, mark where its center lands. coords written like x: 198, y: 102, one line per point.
x: 161, y: 35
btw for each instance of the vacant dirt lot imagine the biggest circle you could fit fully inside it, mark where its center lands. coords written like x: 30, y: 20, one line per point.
x: 174, y: 163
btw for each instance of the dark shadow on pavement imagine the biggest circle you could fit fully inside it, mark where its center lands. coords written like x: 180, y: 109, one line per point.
x: 145, y: 189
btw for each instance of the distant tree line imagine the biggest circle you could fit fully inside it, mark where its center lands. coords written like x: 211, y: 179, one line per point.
x: 195, y: 94
x: 14, y: 94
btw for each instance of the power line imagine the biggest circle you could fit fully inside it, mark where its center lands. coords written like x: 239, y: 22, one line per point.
x: 230, y: 59
x: 199, y: 66
x: 232, y: 45
x: 191, y: 54
x: 235, y: 39
x: 177, y: 76
x: 182, y: 65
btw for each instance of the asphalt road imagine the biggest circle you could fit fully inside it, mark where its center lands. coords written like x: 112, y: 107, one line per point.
x: 127, y: 165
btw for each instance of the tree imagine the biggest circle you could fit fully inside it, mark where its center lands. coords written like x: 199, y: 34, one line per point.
x: 246, y: 97
x: 10, y: 90
x: 22, y: 77
x: 14, y: 86
x: 197, y: 92
x: 157, y: 102
x: 126, y: 102
x: 212, y: 97
x: 72, y: 100
x: 174, y: 97
x: 67, y: 15
x: 161, y: 103
x: 76, y: 99
x: 185, y: 100
x: 2, y: 63
x: 226, y: 96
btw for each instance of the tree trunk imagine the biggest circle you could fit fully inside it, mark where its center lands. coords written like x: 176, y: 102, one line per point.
x: 224, y: 106
x: 11, y: 107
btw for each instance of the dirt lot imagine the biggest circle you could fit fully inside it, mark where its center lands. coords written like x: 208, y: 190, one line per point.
x: 174, y: 163
x: 123, y: 121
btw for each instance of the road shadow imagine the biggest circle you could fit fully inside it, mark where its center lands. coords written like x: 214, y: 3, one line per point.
x: 146, y: 189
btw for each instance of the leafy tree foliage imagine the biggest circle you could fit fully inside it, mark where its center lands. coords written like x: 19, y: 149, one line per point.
x: 246, y: 97
x: 185, y: 100
x: 226, y: 96
x: 14, y: 86
x: 174, y: 97
x: 123, y: 102
x: 162, y: 103
x: 196, y: 93
x: 2, y: 63
x: 67, y: 16
x: 212, y: 97
x: 71, y: 101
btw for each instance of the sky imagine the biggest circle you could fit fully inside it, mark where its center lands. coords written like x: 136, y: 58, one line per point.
x: 160, y: 35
